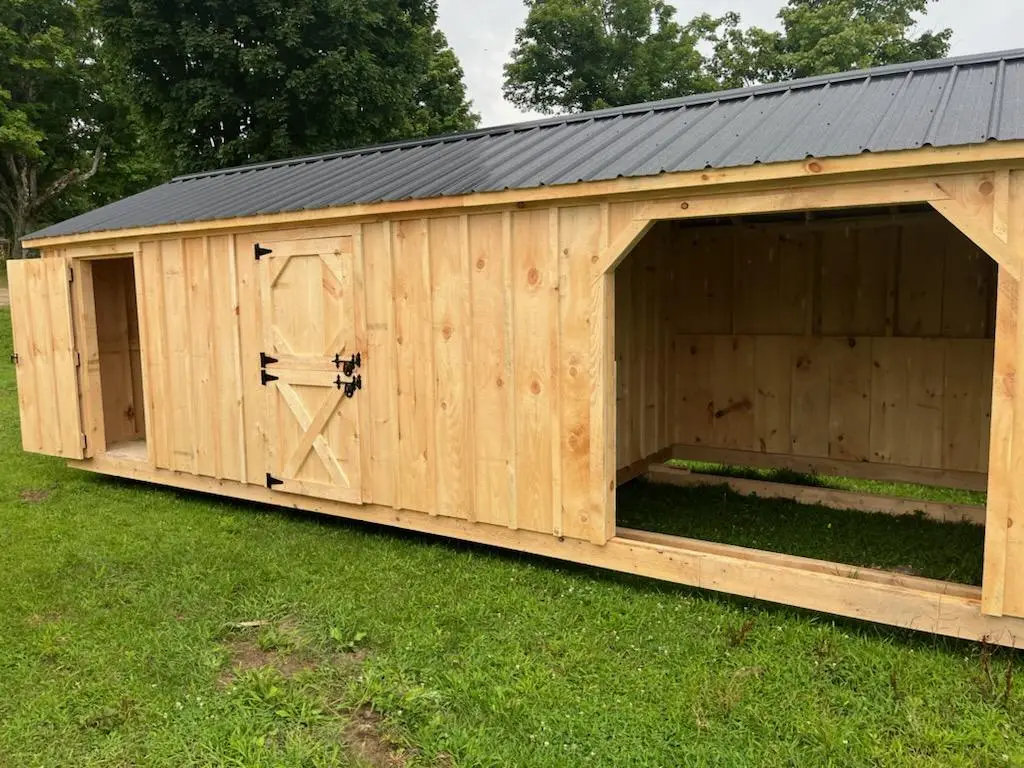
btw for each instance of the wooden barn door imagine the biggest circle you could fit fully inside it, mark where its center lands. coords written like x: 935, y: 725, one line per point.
x: 311, y: 366
x: 45, y: 358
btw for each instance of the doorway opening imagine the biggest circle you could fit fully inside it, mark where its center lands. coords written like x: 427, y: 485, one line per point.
x: 120, y: 358
x: 810, y: 385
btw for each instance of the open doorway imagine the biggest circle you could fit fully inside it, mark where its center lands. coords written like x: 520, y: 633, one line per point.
x: 120, y: 359
x: 782, y: 380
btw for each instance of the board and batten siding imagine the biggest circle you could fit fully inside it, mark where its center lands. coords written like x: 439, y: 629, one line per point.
x: 865, y: 340
x: 481, y: 363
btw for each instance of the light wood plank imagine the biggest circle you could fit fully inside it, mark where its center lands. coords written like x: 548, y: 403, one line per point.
x: 826, y: 497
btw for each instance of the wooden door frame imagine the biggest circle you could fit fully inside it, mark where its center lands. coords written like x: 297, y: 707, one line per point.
x: 83, y: 308
x: 987, y: 207
x: 275, y: 391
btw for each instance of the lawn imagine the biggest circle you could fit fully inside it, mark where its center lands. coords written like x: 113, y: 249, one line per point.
x: 142, y: 626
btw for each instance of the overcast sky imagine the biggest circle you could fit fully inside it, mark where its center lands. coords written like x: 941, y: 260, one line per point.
x: 482, y: 33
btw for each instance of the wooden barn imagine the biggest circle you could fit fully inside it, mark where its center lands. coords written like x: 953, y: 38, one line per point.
x: 478, y: 336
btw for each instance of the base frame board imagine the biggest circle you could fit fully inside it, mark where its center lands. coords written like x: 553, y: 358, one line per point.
x: 859, y: 593
x: 826, y: 497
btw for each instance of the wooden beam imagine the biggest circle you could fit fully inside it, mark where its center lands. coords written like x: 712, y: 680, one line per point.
x: 1005, y: 415
x: 826, y: 497
x: 894, y: 473
x: 641, y: 467
x: 978, y: 205
x: 891, y: 164
x: 952, y: 610
x: 783, y: 560
x: 620, y: 247
x: 846, y: 195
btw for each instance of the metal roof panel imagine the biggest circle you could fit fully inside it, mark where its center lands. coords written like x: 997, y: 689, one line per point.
x: 947, y: 102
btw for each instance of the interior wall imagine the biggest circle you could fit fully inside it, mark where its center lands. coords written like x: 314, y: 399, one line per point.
x: 120, y: 361
x: 867, y: 340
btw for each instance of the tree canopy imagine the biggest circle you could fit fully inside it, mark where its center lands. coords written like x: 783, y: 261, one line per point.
x: 237, y: 81
x: 820, y: 37
x: 588, y: 54
x: 48, y: 133
x: 573, y: 55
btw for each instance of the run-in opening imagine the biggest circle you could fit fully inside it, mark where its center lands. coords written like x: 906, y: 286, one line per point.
x: 810, y: 370
x: 120, y: 360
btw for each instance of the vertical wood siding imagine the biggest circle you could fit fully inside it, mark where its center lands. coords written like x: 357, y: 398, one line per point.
x: 481, y: 363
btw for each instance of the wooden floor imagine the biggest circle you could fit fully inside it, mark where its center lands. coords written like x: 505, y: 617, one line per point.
x: 133, y: 450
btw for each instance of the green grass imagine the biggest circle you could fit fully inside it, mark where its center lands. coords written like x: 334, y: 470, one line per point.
x: 910, y: 544
x: 118, y: 600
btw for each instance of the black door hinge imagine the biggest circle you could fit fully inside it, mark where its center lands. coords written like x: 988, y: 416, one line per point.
x: 349, y: 366
x: 15, y: 358
x: 265, y: 360
x: 272, y: 481
x: 261, y: 251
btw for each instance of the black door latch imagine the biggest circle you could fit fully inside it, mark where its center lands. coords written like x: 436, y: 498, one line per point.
x: 350, y: 386
x: 349, y: 366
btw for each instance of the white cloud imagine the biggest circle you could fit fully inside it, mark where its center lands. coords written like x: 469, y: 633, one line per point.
x: 482, y: 32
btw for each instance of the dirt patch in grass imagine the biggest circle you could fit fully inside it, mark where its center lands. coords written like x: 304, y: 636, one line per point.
x: 246, y: 655
x: 365, y: 739
x: 279, y: 645
x: 37, y: 620
x: 35, y: 495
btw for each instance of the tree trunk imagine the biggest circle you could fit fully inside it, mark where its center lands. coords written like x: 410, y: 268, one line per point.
x: 18, y: 227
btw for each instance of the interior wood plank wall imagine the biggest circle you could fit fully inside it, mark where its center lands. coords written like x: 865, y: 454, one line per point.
x: 867, y: 340
x: 118, y: 349
x: 479, y: 381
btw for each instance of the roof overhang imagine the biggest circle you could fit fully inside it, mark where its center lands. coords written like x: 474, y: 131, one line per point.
x: 899, y: 164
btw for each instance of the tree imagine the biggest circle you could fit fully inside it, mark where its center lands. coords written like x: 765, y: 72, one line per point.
x: 821, y: 37
x: 577, y: 55
x: 224, y: 82
x: 49, y: 141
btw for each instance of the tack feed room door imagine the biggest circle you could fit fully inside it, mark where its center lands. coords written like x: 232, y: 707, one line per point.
x: 311, y: 367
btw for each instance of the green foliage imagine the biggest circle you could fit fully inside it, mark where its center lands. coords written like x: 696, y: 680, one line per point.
x: 63, y: 119
x: 820, y: 37
x: 235, y: 81
x: 588, y: 54
x: 574, y: 55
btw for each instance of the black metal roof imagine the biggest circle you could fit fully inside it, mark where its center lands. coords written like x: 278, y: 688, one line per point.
x: 947, y: 102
